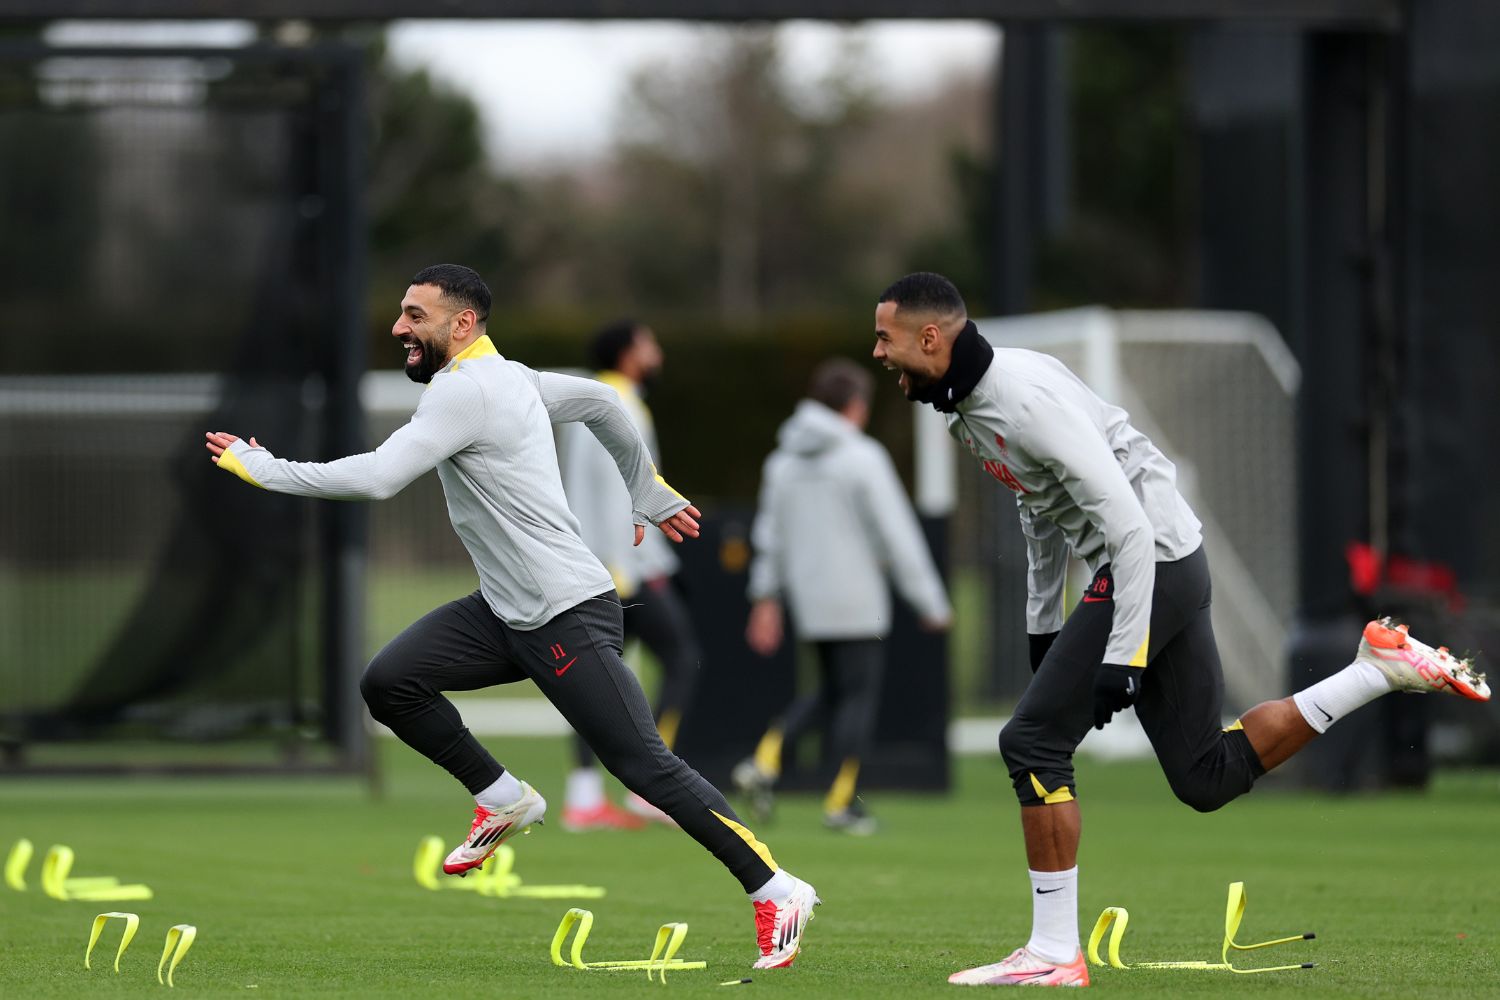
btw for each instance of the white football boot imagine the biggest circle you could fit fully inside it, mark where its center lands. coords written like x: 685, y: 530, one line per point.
x: 1023, y: 968
x: 1412, y: 665
x: 491, y: 829
x: 779, y: 925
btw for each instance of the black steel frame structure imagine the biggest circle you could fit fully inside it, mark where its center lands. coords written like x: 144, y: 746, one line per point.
x: 1340, y: 14
x: 340, y: 168
x: 1347, y: 178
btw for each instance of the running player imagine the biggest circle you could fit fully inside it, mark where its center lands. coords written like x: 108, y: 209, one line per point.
x: 545, y: 609
x: 1088, y: 484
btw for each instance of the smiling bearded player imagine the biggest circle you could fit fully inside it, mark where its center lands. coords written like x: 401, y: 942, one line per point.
x: 1090, y: 485
x: 545, y: 609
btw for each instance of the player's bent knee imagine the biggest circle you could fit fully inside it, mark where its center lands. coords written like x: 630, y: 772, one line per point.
x: 381, y: 683
x: 1201, y: 795
x: 1019, y: 739
x: 1040, y: 776
x: 1009, y: 740
x: 372, y: 690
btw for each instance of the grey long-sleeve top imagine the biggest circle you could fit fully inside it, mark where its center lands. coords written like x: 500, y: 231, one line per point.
x: 1084, y: 480
x: 600, y: 502
x: 832, y: 524
x: 485, y: 424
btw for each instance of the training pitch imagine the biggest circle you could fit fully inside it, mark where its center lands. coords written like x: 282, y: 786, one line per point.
x: 302, y: 887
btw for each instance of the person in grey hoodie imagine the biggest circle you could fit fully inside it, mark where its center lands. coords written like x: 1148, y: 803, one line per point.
x: 832, y: 524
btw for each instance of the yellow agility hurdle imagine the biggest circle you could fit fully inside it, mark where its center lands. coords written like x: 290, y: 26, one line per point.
x: 669, y: 938
x: 496, y: 877
x: 1113, y: 921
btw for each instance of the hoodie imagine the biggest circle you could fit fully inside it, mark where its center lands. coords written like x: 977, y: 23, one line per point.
x: 833, y: 523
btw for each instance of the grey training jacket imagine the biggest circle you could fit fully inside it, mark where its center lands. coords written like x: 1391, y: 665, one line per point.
x: 601, y: 502
x: 833, y: 522
x: 1086, y: 481
x: 485, y: 424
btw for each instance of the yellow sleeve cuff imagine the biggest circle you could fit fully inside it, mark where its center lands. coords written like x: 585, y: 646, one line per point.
x: 659, y: 479
x: 229, y: 462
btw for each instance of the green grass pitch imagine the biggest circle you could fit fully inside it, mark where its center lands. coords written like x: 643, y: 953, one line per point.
x: 303, y: 887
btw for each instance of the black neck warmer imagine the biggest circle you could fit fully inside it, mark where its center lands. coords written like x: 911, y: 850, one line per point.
x: 972, y: 355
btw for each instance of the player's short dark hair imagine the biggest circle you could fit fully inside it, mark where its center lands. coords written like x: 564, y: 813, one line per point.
x: 610, y: 341
x: 838, y: 381
x: 926, y: 292
x: 461, y: 286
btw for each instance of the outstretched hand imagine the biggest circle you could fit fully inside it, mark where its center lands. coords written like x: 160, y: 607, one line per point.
x: 219, y: 442
x: 682, y: 524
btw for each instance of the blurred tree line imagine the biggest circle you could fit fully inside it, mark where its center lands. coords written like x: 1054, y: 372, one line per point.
x: 730, y: 201
x: 751, y: 221
x: 753, y: 224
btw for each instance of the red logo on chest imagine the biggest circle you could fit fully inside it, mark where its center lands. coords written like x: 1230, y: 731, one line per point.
x: 1002, y: 472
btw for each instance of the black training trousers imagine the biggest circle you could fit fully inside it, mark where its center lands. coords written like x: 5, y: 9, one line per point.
x: 575, y: 660
x: 1180, y: 704
x: 659, y: 617
x: 846, y: 702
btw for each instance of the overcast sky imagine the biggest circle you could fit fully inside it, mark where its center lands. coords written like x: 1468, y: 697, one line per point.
x: 549, y: 90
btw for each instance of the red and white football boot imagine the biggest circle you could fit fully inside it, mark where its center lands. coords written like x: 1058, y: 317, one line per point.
x: 779, y: 925
x: 491, y: 829
x: 1412, y: 665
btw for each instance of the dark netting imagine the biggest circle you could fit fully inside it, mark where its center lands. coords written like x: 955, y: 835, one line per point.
x: 172, y: 263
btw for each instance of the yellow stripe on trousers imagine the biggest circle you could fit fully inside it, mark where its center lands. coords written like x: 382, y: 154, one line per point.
x: 755, y: 845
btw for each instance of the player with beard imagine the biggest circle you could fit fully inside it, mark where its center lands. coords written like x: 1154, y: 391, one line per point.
x: 1091, y: 486
x: 545, y: 609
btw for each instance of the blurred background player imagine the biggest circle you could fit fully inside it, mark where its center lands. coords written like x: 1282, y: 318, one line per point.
x: 833, y: 521
x: 1089, y: 485
x: 627, y: 358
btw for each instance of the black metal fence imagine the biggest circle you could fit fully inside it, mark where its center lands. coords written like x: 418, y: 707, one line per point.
x: 181, y: 254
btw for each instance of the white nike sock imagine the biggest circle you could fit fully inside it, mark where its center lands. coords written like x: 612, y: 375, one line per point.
x: 501, y: 793
x: 1332, y: 698
x: 1054, y: 915
x: 778, y: 886
x: 585, y: 788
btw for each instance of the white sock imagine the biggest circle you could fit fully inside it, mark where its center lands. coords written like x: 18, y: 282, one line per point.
x: 1054, y: 915
x: 585, y: 788
x: 778, y: 886
x: 501, y: 793
x: 1332, y: 698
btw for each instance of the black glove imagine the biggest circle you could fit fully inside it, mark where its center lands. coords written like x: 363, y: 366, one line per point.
x: 1115, y: 689
x: 1039, y: 645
